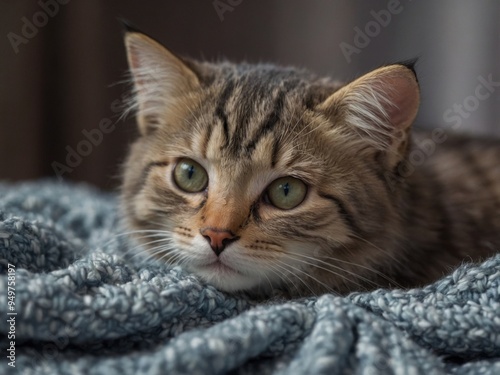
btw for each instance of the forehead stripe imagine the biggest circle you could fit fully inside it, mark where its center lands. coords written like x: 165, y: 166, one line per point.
x: 269, y: 123
x: 219, y: 110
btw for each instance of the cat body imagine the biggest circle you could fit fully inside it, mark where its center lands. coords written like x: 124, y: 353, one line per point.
x: 257, y: 177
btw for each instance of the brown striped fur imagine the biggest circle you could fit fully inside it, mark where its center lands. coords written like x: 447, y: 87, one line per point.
x: 366, y: 222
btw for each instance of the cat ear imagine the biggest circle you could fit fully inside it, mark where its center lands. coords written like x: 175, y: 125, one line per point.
x: 380, y: 107
x: 160, y: 79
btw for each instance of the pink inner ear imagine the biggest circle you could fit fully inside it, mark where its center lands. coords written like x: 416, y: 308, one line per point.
x: 136, y: 63
x: 402, y: 94
x: 133, y: 57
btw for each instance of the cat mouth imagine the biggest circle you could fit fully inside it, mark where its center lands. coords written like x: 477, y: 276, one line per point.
x: 223, y: 276
x: 219, y: 267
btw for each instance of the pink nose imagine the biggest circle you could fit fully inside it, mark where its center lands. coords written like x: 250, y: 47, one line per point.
x: 218, y: 238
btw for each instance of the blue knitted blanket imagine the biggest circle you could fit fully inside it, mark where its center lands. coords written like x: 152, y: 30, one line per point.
x: 77, y: 304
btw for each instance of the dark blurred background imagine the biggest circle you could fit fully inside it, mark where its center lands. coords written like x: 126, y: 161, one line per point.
x: 61, y: 62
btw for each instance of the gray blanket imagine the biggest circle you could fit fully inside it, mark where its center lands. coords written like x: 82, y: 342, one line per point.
x: 81, y: 305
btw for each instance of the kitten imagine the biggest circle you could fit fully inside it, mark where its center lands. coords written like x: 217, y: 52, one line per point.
x: 257, y: 177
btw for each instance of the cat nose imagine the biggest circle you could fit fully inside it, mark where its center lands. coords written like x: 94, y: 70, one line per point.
x: 218, y: 238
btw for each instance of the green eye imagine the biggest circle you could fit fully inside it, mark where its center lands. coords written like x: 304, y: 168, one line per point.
x: 286, y: 192
x: 190, y: 176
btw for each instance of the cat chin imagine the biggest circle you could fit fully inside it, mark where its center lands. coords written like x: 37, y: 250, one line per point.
x: 225, y: 278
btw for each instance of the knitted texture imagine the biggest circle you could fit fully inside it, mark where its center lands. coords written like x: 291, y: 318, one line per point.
x: 86, y: 307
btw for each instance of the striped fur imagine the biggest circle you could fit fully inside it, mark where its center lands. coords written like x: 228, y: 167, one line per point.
x: 363, y: 224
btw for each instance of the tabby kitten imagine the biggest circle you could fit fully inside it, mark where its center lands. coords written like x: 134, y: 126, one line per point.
x: 257, y: 177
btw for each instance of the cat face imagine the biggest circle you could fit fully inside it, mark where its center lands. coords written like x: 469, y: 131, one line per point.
x: 256, y: 177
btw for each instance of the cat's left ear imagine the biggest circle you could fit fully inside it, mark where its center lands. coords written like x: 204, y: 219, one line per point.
x: 160, y: 78
x: 380, y: 107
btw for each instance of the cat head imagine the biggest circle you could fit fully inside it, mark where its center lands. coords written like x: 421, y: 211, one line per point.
x: 257, y: 176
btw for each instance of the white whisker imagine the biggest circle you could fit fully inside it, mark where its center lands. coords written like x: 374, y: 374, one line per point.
x: 379, y: 249
x: 304, y: 273
x: 281, y: 276
x: 332, y: 271
x: 370, y: 269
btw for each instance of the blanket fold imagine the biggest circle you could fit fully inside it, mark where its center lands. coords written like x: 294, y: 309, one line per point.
x: 86, y: 305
